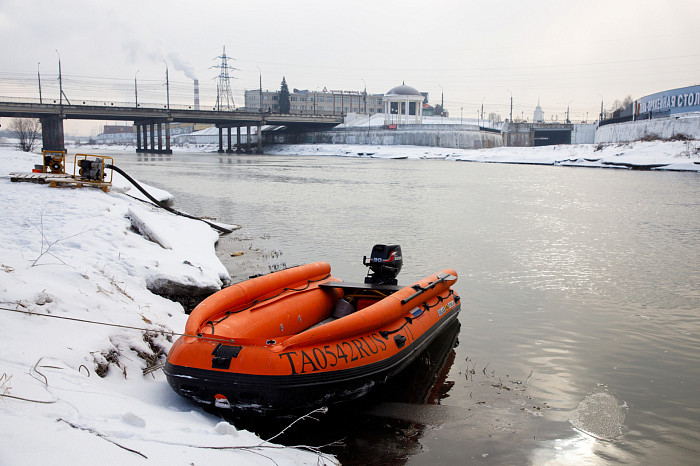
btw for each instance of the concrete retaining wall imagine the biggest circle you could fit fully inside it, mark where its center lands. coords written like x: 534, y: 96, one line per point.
x: 583, y: 134
x: 463, y: 139
x: 687, y: 124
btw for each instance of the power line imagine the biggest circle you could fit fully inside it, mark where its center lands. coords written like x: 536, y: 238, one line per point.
x: 108, y: 324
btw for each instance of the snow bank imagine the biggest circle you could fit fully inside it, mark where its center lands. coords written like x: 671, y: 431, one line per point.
x: 76, y: 254
x: 657, y: 155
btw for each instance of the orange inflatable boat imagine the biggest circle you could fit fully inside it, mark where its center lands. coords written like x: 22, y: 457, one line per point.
x: 300, y: 339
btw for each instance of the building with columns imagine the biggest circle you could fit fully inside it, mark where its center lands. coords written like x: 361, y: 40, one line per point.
x: 403, y: 105
x: 323, y: 102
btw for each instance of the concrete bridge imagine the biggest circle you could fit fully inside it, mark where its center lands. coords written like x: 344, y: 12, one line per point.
x: 152, y: 121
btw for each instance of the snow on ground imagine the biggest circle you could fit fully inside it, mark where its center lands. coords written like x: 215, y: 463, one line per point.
x: 661, y: 155
x: 73, y: 253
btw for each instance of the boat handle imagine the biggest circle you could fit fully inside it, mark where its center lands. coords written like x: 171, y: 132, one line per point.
x: 441, y: 277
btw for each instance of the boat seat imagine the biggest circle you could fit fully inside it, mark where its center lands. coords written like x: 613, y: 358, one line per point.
x: 323, y: 322
x: 361, y: 286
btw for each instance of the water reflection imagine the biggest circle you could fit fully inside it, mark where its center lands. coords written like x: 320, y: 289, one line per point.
x: 576, y: 450
x: 386, y: 426
x: 153, y: 157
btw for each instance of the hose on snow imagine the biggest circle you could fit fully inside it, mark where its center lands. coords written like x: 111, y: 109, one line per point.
x: 163, y: 205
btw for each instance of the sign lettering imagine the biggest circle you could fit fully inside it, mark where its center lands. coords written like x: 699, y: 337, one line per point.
x: 306, y: 361
x: 672, y: 101
x: 316, y: 359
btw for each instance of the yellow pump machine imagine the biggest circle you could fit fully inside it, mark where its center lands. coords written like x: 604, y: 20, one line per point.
x: 88, y: 170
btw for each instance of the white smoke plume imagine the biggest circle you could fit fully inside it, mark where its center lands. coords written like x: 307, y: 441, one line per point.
x: 182, y: 64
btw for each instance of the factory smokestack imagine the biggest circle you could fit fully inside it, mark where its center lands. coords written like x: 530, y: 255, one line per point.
x: 196, y: 94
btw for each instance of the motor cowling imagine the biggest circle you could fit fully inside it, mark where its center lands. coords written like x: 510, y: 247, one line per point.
x: 91, y: 169
x: 54, y: 163
x: 384, y: 264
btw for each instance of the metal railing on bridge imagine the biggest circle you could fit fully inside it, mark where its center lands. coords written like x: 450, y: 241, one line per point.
x: 156, y: 106
x: 101, y: 103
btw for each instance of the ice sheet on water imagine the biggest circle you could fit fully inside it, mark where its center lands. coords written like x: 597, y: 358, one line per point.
x: 599, y: 415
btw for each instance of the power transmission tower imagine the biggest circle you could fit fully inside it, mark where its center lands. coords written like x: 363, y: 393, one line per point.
x: 224, y: 95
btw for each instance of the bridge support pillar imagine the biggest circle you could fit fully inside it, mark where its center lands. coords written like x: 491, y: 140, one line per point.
x: 52, y: 133
x: 138, y: 137
x: 167, y: 138
x: 142, y: 138
x: 229, y: 150
x: 239, y: 149
x: 221, y: 140
x: 153, y: 136
x: 160, y: 137
x: 260, y: 138
x: 247, y: 141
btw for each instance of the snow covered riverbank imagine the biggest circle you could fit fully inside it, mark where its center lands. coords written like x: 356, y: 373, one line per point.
x: 84, y: 255
x: 652, y: 155
x: 657, y: 155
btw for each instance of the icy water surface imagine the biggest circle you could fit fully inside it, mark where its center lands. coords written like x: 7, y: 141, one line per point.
x: 580, y: 324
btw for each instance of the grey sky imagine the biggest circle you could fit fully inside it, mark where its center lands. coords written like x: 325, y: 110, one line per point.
x: 562, y: 53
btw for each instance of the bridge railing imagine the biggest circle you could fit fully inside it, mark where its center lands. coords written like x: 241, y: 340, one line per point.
x: 150, y: 106
x: 97, y: 103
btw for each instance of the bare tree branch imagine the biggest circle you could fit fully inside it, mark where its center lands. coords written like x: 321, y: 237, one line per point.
x: 27, y: 131
x: 46, y: 244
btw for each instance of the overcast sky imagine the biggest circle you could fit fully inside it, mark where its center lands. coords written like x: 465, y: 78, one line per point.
x: 562, y: 53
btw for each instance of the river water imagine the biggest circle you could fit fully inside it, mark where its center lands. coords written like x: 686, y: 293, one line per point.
x: 580, y: 323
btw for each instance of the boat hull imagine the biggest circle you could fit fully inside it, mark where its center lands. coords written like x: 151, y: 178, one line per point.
x: 334, y: 361
x: 287, y: 393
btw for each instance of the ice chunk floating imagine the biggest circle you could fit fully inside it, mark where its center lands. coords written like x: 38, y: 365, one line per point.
x: 599, y: 415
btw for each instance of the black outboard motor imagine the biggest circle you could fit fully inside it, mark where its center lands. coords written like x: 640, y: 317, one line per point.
x: 384, y: 264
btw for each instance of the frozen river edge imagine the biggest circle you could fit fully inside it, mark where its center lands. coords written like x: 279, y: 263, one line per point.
x: 643, y: 155
x: 656, y: 155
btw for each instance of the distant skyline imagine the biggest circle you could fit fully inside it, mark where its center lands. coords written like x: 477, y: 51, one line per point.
x: 561, y: 53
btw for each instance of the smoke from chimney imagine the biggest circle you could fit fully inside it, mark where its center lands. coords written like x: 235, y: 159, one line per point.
x: 196, y: 94
x: 182, y: 64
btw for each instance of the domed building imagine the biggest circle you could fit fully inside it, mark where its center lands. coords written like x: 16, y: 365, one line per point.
x: 403, y: 105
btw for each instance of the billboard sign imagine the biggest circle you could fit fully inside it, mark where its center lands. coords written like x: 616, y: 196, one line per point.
x: 681, y: 100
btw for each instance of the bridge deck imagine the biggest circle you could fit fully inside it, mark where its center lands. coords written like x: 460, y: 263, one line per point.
x: 52, y: 116
x: 143, y: 114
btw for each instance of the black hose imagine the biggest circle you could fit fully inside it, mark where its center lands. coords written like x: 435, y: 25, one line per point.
x: 162, y: 205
